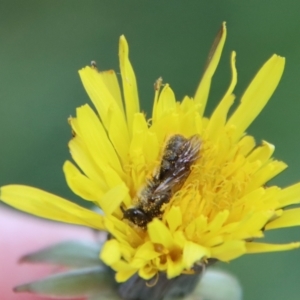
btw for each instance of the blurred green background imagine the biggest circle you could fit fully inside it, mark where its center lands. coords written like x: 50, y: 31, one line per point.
x: 44, y: 43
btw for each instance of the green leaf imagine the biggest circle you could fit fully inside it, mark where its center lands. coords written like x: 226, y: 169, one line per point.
x: 75, y: 283
x: 75, y: 254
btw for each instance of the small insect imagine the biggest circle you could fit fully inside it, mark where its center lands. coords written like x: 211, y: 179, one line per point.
x: 94, y: 64
x: 178, y: 156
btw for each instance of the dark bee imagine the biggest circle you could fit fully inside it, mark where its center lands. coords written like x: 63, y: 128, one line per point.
x: 178, y: 156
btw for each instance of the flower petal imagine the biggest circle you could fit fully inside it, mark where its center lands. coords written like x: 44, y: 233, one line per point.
x: 246, y: 144
x: 113, y: 198
x: 160, y: 234
x: 202, y: 92
x: 266, y: 173
x: 252, y: 225
x: 111, y: 252
x: 262, y: 153
x: 175, y: 268
x: 218, y: 221
x: 124, y: 271
x: 147, y: 272
x: 94, y: 136
x: 229, y: 250
x: 262, y: 247
x: 111, y: 82
x: 290, y: 195
x: 193, y: 252
x: 289, y: 218
x: 46, y: 205
x: 100, y: 95
x: 174, y: 218
x: 107, y: 107
x: 80, y: 184
x: 144, y: 254
x: 166, y: 102
x: 129, y: 82
x: 83, y: 159
x: 219, y: 116
x: 257, y: 95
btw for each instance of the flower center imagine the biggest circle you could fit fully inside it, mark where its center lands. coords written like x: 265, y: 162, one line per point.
x: 216, y: 182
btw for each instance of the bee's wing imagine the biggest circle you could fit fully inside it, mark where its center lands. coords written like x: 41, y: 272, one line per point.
x: 170, y: 182
x: 182, y: 166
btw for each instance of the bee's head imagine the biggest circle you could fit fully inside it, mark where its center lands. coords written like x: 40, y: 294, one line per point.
x: 137, y: 216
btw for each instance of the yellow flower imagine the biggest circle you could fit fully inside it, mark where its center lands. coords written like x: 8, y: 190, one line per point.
x: 222, y: 204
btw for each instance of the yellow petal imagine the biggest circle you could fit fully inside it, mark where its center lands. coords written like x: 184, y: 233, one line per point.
x: 122, y: 232
x: 261, y: 247
x: 218, y: 221
x: 80, y: 184
x: 151, y: 148
x: 46, y: 205
x: 290, y: 195
x: 257, y: 95
x: 219, y: 116
x: 147, y: 272
x: 229, y: 250
x: 110, y: 80
x: 174, y: 218
x: 129, y: 82
x: 289, y: 218
x: 193, y: 252
x: 174, y: 267
x: 119, y: 137
x: 110, y: 252
x: 100, y: 95
x: 136, y: 153
x: 218, y: 119
x: 247, y: 200
x: 139, y: 124
x: 124, y: 274
x: 179, y: 238
x: 124, y: 270
x: 233, y: 77
x: 107, y: 107
x: 251, y: 226
x: 160, y: 234
x: 202, y: 92
x: 246, y: 144
x: 262, y: 153
x: 188, y: 104
x: 94, y: 136
x: 166, y: 102
x: 167, y: 125
x: 214, y: 241
x: 113, y: 198
x: 146, y: 251
x: 266, y: 173
x: 86, y: 163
